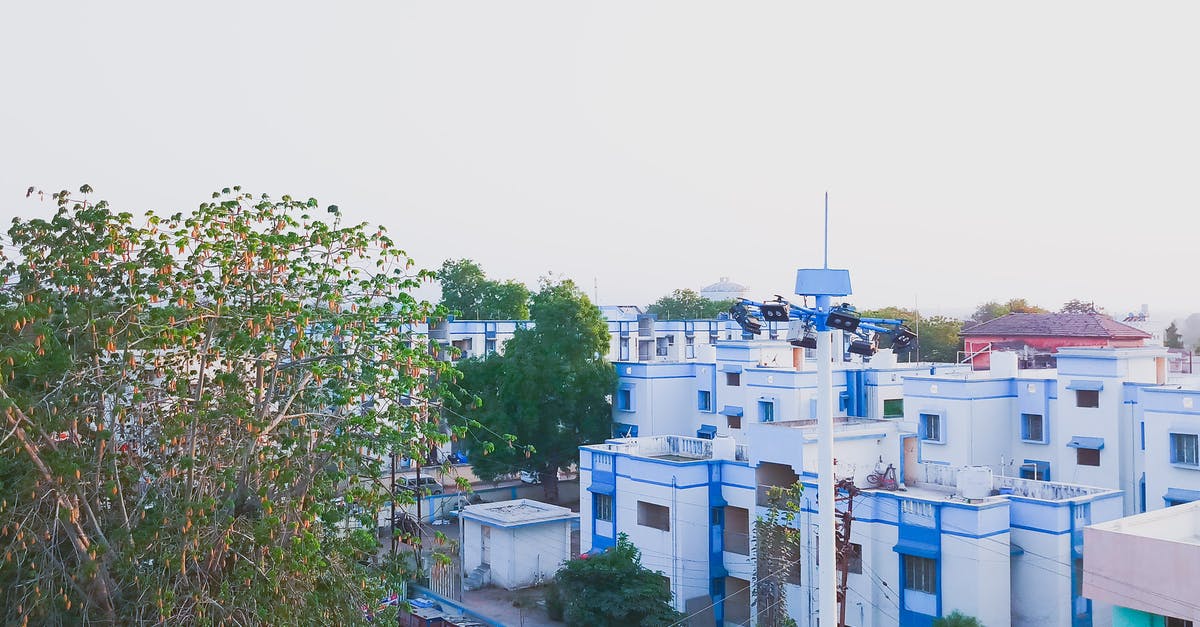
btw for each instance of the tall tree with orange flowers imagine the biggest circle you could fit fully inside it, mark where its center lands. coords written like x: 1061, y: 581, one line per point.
x: 191, y: 401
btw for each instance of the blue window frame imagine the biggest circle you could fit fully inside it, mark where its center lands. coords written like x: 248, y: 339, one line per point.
x: 932, y: 427
x: 766, y: 410
x: 1034, y: 469
x: 704, y: 400
x: 1185, y: 449
x: 1033, y: 429
x: 625, y: 397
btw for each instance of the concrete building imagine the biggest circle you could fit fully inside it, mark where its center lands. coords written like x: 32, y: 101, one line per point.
x: 981, y: 540
x: 1146, y: 567
x: 515, y: 544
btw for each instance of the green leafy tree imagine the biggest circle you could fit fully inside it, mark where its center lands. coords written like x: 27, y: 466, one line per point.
x: 467, y: 292
x: 613, y: 589
x: 1172, y: 338
x: 686, y: 304
x: 777, y: 543
x: 956, y: 619
x: 938, y: 336
x: 939, y: 339
x: 548, y: 393
x: 192, y: 401
x: 992, y: 309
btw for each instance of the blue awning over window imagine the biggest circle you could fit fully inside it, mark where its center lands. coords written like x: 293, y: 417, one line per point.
x: 1081, y: 384
x: 1080, y: 441
x: 1179, y: 495
x: 602, y: 487
x: 707, y: 432
x: 731, y: 410
x: 730, y: 368
x: 625, y: 430
x: 919, y: 549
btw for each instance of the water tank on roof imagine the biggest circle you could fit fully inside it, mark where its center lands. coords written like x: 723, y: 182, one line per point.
x: 975, y: 482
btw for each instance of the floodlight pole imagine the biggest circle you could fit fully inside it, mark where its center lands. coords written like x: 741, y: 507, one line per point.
x: 825, y: 284
x: 827, y: 572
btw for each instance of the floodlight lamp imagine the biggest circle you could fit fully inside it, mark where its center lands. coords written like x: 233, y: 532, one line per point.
x: 861, y: 347
x: 801, y: 334
x: 843, y: 318
x: 774, y: 312
x: 904, y: 339
x: 742, y: 316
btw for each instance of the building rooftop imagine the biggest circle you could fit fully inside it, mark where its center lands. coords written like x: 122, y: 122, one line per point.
x: 1057, y: 325
x: 1180, y: 523
x: 518, y: 512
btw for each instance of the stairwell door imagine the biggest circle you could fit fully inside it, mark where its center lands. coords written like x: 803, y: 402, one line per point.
x: 485, y: 544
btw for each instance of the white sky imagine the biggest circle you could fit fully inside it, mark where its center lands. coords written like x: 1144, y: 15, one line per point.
x: 972, y: 152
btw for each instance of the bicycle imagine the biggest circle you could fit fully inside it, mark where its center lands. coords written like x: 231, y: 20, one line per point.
x: 885, y: 478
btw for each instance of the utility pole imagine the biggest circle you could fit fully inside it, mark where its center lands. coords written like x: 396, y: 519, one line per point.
x: 846, y: 492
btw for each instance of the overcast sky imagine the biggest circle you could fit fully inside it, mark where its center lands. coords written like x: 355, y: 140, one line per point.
x: 1043, y: 150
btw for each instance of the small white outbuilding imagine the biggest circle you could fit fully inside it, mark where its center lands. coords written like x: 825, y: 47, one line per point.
x: 515, y: 544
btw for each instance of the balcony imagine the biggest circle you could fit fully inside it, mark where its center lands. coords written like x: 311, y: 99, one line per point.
x: 675, y: 448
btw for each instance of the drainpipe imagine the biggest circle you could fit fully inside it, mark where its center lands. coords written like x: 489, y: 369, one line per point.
x: 677, y: 593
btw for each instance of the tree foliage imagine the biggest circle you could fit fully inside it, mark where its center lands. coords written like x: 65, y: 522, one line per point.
x: 1076, y: 306
x: 468, y: 293
x: 992, y: 309
x: 191, y: 400
x: 938, y: 336
x: 686, y: 304
x: 777, y: 543
x: 613, y: 589
x: 956, y: 619
x: 1172, y: 338
x: 549, y: 392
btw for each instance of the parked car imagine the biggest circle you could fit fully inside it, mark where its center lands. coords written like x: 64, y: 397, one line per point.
x: 423, y: 486
x: 530, y: 477
x: 453, y: 505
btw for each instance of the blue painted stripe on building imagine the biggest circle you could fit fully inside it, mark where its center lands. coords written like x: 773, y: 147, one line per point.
x: 1035, y: 529
x: 974, y: 536
x: 671, y: 376
x: 660, y: 483
x: 958, y: 398
x: 738, y: 486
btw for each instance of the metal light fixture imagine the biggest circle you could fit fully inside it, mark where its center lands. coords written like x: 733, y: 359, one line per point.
x: 903, y: 339
x: 861, y: 347
x: 801, y: 334
x: 742, y: 316
x: 774, y: 312
x: 842, y: 318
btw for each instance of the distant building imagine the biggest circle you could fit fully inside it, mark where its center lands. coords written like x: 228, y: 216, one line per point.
x: 1037, y: 337
x: 723, y: 290
x: 1146, y: 566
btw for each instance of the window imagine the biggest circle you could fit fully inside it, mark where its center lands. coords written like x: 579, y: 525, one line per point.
x: 931, y: 428
x: 704, y: 400
x: 624, y: 349
x: 766, y: 411
x: 1087, y: 398
x: 656, y: 516
x: 1033, y: 428
x: 1036, y: 470
x: 689, y: 347
x: 920, y: 574
x: 1184, y: 449
x: 644, y: 349
x: 855, y: 559
x: 733, y: 378
x: 734, y: 422
x: 489, y: 346
x: 1087, y: 456
x: 660, y: 347
x: 893, y: 408
x: 602, y: 507
x: 625, y: 397
x: 1177, y: 622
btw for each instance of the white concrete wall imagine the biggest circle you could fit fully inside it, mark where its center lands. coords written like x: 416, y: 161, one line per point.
x: 538, y: 552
